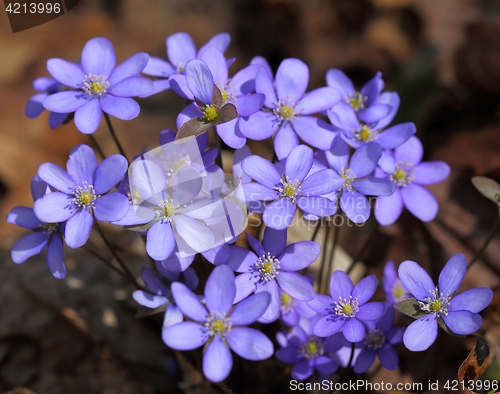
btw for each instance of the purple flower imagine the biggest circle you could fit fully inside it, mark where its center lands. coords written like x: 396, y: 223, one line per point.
x: 394, y: 290
x: 98, y: 85
x: 272, y: 267
x: 159, y: 294
x: 439, y: 303
x: 368, y: 105
x: 34, y: 107
x: 218, y: 325
x: 348, y: 308
x: 236, y: 91
x: 81, y: 194
x: 288, y: 108
x: 180, y: 50
x: 405, y: 170
x: 291, y: 188
x: 378, y: 342
x: 291, y: 309
x: 356, y: 182
x: 43, y: 235
x: 309, y: 352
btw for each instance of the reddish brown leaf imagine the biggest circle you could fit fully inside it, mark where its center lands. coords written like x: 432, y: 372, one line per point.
x: 474, y: 366
x: 192, y: 127
x: 226, y: 113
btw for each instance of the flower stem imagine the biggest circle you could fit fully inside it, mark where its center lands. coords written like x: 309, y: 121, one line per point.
x: 485, y: 244
x: 116, y: 256
x: 224, y: 388
x: 218, y: 158
x: 364, y: 248
x: 336, y: 231
x: 113, y: 135
x: 98, y: 256
x: 97, y: 147
x: 323, y: 259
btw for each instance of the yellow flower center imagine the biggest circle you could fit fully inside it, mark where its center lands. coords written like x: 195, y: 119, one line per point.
x: 224, y: 95
x: 356, y: 101
x: 218, y: 326
x: 285, y: 299
x: 347, y: 309
x: 365, y: 133
x: 209, y: 113
x: 85, y: 198
x: 268, y: 267
x: 436, y: 305
x: 95, y: 85
x: 289, y: 190
x: 399, y: 175
x: 286, y: 112
x: 168, y: 209
x: 311, y: 348
x: 398, y: 292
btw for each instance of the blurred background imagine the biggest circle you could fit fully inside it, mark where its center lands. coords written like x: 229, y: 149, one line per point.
x: 79, y: 335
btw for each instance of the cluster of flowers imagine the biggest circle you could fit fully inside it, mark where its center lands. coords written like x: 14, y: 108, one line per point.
x: 184, y: 206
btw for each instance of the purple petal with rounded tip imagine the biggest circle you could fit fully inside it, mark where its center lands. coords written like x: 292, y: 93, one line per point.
x: 88, y: 117
x: 415, y: 279
x: 264, y: 85
x: 245, y: 285
x: 149, y: 300
x: 188, y: 302
x: 374, y: 113
x: 257, y: 192
x: 355, y: 205
x: 302, y: 370
x: 243, y: 82
x: 28, y: 246
x: 317, y: 206
x: 158, y: 67
x: 340, y: 285
x: 421, y: 334
x: 462, y: 322
x: 292, y: 78
x: 430, y: 172
x: 315, y: 132
x: 38, y: 187
x: 261, y: 170
x: 373, y: 88
x: 123, y: 108
x: 132, y: 86
x: 81, y: 164
x: 288, y: 355
x: 180, y: 49
x: 196, y: 234
x: 135, y: 216
x: 109, y: 173
x: 98, y: 57
x: 274, y: 242
x: 391, y: 99
x: 329, y: 325
x: 57, y: 119
x: 55, y: 258
x: 338, y: 80
x: 279, y: 214
x: 411, y: 151
x: 343, y: 117
x: 190, y: 111
x: 338, y: 156
x: 159, y: 85
x: 220, y: 41
x: 325, y: 365
x: 365, y: 289
x: 452, y: 274
x: 474, y: 300
x: 295, y: 285
x: 249, y: 104
x: 54, y: 208
x: 250, y: 309
x: 220, y: 290
x: 420, y: 202
x: 160, y: 241
x: 364, y: 159
x: 372, y: 186
x: 65, y: 102
x: 34, y: 105
x: 199, y: 80
x: 388, y: 357
x: 173, y: 315
x: 396, y: 135
x: 259, y: 126
x: 322, y: 304
x: 318, y: 100
x: 250, y: 344
x: 353, y: 330
x: 299, y: 162
x: 78, y: 229
x: 241, y: 259
x: 24, y: 217
x: 299, y: 255
x: 273, y: 309
x: 371, y: 311
x: 321, y: 182
x: 67, y: 73
x: 179, y: 85
x: 388, y: 209
x: 111, y: 207
x: 184, y: 336
x: 285, y: 140
x: 217, y: 360
x: 365, y: 360
x: 231, y: 134
x: 130, y: 67
x: 216, y: 63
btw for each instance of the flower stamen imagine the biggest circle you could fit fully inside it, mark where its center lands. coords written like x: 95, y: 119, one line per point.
x: 95, y: 85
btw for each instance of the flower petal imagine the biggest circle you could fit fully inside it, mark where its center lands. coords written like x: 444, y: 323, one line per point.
x: 111, y: 207
x: 65, y: 102
x: 194, y: 233
x: 274, y: 242
x: 149, y: 300
x: 124, y: 108
x: 285, y: 140
x: 388, y: 357
x: 88, y: 117
x: 250, y: 344
x: 372, y: 186
x: 411, y: 151
x: 55, y: 258
x: 421, y: 334
x: 353, y: 330
x: 365, y: 289
x: 273, y: 310
x: 296, y: 285
x: 131, y: 67
x: 292, y: 78
x: 321, y: 182
x: 160, y: 241
x: 24, y: 217
x: 217, y: 360
x: 474, y: 300
x: 371, y: 311
x: 259, y: 126
x: 98, y: 57
x: 261, y: 170
x: 318, y: 100
x: 173, y: 315
x: 431, y: 172
x: 264, y: 85
x: 67, y: 73
x: 299, y: 162
x: 355, y: 205
x: 315, y: 132
x: 415, y: 279
x: 328, y: 326
x: 420, y: 202
x: 452, y: 274
x: 132, y: 86
x: 338, y: 80
x: 158, y: 67
x: 179, y: 85
x: 364, y: 159
x: 200, y: 81
x: 184, y: 336
x: 340, y: 285
x: 180, y: 49
x: 250, y: 309
x: 279, y: 214
x: 389, y: 208
x: 78, y: 229
x: 299, y: 255
x: 220, y: 290
x: 365, y: 360
x: 245, y: 285
x: 188, y: 302
x: 396, y: 135
x: 216, y: 63
x: 82, y: 164
x: 322, y: 304
x: 28, y: 246
x: 462, y: 322
x: 109, y: 173
x: 54, y: 208
x: 249, y: 104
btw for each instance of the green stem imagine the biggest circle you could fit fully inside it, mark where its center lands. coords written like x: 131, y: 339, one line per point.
x: 127, y: 272
x: 113, y: 135
x: 336, y: 231
x: 485, y: 244
x: 224, y: 388
x: 98, y: 256
x: 323, y: 259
